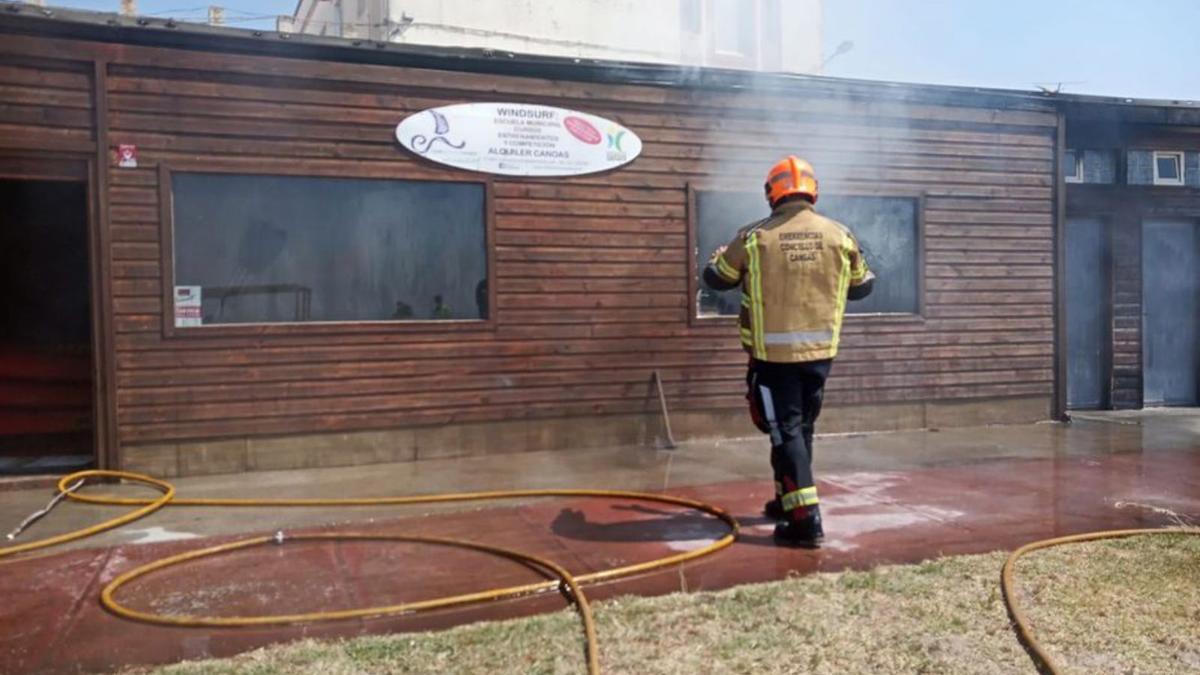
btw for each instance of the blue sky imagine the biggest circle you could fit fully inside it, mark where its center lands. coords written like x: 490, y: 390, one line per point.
x: 1142, y: 49
x: 1146, y: 49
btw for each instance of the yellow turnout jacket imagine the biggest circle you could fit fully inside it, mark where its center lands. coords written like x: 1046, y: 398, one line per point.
x: 794, y: 269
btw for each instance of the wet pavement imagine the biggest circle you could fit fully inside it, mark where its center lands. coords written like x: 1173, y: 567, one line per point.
x: 900, y: 497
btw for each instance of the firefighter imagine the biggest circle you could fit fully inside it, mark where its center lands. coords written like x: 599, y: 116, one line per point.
x: 796, y: 270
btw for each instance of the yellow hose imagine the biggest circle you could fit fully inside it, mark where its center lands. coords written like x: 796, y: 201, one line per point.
x: 585, y: 612
x: 564, y: 577
x: 1041, y: 658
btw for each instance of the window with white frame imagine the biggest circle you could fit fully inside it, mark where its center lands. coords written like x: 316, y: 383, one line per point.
x: 735, y: 33
x: 733, y: 28
x: 1168, y: 168
x: 1072, y: 166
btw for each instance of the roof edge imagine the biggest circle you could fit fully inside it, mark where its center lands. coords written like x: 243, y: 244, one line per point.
x: 164, y: 32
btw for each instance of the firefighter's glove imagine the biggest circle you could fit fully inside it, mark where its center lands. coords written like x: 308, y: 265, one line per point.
x: 862, y: 290
x: 717, y: 254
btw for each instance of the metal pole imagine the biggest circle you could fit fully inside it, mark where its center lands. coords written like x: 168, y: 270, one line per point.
x: 33, y: 517
x: 662, y: 401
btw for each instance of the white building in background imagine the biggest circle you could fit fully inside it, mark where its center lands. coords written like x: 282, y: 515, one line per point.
x: 765, y: 35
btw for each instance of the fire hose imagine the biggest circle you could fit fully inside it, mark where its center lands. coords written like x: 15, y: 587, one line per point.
x: 565, y: 581
x: 1041, y: 658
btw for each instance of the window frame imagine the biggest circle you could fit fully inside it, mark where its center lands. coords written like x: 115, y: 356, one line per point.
x: 716, y: 57
x: 305, y: 328
x: 1179, y: 156
x: 1077, y: 175
x: 693, y: 238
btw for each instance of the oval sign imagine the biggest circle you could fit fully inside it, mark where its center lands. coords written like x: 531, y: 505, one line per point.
x: 518, y: 139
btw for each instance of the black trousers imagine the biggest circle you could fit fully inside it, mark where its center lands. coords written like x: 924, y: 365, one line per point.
x: 788, y: 397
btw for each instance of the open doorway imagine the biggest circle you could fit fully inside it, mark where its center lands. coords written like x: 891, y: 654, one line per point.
x: 46, y: 390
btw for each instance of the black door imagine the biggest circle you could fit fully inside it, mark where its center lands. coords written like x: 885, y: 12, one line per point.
x: 1087, y: 314
x: 1171, y: 312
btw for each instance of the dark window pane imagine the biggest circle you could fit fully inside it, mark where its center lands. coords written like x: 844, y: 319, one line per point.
x: 1168, y: 167
x: 279, y: 248
x: 1098, y: 166
x: 719, y: 215
x: 1140, y: 167
x: 886, y: 228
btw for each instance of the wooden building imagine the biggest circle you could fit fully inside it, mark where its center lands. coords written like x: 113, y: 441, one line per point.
x: 588, y: 283
x: 1133, y: 253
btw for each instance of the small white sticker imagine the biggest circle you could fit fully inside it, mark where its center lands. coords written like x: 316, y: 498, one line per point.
x: 187, y: 306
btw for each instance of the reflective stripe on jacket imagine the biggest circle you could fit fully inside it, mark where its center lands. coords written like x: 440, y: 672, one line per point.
x: 794, y: 269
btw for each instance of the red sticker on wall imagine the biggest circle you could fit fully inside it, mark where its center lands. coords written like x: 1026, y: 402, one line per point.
x: 127, y: 156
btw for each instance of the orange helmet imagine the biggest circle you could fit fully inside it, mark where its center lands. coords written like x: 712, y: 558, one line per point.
x: 791, y: 176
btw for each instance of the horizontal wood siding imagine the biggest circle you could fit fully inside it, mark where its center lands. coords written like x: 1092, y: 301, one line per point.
x: 591, y: 271
x: 46, y: 105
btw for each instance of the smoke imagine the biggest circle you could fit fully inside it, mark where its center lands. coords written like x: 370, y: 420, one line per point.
x: 848, y: 138
x: 863, y: 147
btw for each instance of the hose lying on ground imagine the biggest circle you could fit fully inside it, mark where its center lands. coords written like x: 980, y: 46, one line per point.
x: 1021, y: 624
x: 107, y: 596
x: 1041, y: 658
x: 148, y: 506
x: 564, y: 578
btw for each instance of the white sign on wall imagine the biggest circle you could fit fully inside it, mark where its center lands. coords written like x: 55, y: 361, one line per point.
x: 518, y: 139
x: 187, y: 306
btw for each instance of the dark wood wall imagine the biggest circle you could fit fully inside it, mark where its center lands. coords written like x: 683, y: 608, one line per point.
x: 591, y: 273
x: 47, y: 105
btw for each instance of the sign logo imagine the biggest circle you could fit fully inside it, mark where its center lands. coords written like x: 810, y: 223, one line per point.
x: 518, y: 139
x: 616, y: 135
x: 421, y: 144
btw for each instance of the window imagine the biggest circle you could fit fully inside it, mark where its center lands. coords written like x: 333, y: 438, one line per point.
x: 690, y: 16
x: 1168, y: 168
x: 1094, y: 166
x: 269, y: 249
x: 733, y: 27
x: 732, y: 33
x: 1072, y: 166
x: 886, y: 228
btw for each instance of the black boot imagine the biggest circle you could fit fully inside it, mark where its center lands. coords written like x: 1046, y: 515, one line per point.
x: 804, y: 533
x: 773, y: 509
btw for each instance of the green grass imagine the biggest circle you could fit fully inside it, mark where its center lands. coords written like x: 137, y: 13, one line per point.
x: 1120, y: 606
